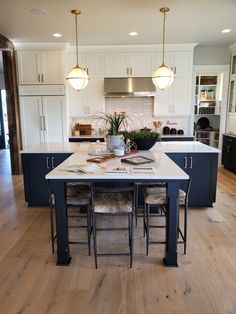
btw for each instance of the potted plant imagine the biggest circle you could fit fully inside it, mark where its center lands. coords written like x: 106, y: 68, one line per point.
x: 144, y: 138
x: 114, y: 123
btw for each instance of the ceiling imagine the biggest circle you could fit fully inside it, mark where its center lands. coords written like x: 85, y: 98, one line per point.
x: 108, y: 22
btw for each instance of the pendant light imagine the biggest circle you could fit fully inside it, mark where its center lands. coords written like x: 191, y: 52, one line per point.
x: 77, y: 77
x: 163, y: 76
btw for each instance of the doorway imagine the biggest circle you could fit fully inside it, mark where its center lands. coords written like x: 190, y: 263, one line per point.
x: 4, y: 131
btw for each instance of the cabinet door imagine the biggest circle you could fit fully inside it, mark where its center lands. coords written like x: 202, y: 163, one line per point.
x: 181, y: 96
x: 174, y: 100
x: 28, y: 67
x: 140, y: 64
x: 54, y: 115
x: 226, y: 151
x: 203, y: 172
x: 202, y: 169
x: 31, y: 117
x: 35, y: 167
x: 76, y: 101
x: 51, y: 67
x: 183, y: 63
x: 95, y: 97
x: 94, y: 65
x: 115, y: 65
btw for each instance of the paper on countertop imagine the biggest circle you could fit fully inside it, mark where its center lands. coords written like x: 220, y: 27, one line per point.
x: 143, y: 170
x: 85, y: 168
x: 118, y: 170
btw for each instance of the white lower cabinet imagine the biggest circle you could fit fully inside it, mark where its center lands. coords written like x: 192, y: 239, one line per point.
x: 42, y: 119
x: 89, y: 101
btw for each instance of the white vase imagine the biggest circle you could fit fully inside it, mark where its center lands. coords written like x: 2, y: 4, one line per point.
x: 114, y: 141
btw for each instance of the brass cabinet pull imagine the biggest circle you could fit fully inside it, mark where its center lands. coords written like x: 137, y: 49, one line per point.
x: 131, y: 71
x: 38, y: 77
x: 127, y: 71
x: 42, y: 78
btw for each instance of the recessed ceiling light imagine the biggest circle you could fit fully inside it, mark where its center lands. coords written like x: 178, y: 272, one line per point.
x: 38, y: 11
x: 226, y: 30
x: 57, y: 35
x: 133, y: 33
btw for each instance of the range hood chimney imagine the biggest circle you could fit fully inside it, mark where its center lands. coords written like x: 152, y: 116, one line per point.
x: 129, y: 87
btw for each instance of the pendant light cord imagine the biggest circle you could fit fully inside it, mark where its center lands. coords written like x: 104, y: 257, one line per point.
x: 76, y: 40
x: 163, y: 36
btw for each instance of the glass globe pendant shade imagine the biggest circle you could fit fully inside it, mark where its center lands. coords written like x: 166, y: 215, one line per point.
x: 78, y: 78
x: 163, y: 77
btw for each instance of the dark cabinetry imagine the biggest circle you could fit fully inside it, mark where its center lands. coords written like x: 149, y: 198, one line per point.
x: 202, y: 169
x: 229, y: 152
x: 35, y: 167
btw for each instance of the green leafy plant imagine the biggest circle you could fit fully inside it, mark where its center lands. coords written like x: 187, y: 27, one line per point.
x: 114, y: 122
x: 143, y: 133
x: 141, y: 139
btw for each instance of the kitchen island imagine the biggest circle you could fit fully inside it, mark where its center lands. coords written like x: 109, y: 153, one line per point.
x: 164, y: 170
x: 198, y: 160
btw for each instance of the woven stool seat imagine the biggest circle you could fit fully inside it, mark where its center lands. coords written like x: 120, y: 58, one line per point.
x: 118, y: 203
x: 157, y: 196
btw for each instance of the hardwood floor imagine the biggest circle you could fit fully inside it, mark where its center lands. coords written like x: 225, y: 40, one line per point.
x: 30, y: 282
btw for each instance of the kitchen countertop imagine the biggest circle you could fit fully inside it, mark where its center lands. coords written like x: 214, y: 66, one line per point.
x: 86, y: 136
x: 166, y: 147
x: 176, y: 135
x: 164, y: 166
x: 184, y: 147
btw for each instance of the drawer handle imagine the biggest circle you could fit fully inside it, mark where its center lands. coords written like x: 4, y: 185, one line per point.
x: 53, y: 163
x: 185, y: 162
x: 48, y: 163
x: 38, y: 77
x: 42, y: 78
x: 191, y: 162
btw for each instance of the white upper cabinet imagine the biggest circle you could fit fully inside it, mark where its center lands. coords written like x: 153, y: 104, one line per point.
x: 91, y: 62
x: 89, y: 101
x: 40, y: 67
x: 180, y: 61
x: 137, y: 64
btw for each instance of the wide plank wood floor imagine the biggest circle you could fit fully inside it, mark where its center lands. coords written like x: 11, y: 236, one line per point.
x: 30, y: 282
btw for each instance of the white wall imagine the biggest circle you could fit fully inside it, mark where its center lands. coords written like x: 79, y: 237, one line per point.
x: 204, y: 55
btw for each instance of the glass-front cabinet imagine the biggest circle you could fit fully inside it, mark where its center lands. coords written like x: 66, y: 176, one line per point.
x: 232, y: 87
x: 207, y: 110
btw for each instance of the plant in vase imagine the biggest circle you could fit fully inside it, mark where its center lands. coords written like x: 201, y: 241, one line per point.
x: 143, y: 139
x: 114, y: 123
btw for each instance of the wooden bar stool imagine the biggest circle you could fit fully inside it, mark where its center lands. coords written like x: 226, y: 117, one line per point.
x: 156, y: 196
x: 113, y: 201
x: 78, y: 196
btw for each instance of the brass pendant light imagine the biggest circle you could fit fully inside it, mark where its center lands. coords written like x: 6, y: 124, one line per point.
x: 163, y: 76
x: 78, y: 77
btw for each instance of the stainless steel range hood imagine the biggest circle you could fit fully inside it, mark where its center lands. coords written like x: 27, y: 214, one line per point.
x: 129, y: 87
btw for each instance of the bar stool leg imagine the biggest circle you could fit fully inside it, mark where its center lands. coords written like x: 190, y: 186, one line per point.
x: 95, y: 240
x: 147, y: 228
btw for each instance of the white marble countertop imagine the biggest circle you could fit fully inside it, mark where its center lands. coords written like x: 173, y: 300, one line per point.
x: 86, y: 136
x: 166, y: 147
x: 176, y: 135
x: 165, y: 168
x: 184, y: 147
